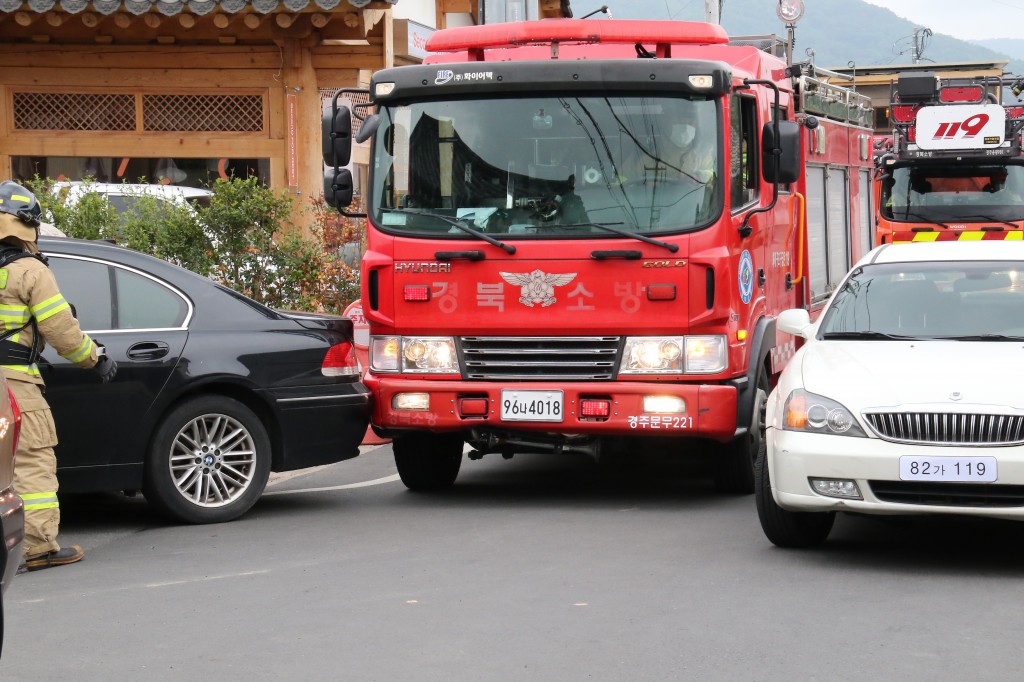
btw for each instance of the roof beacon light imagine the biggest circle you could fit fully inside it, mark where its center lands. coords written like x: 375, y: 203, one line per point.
x: 790, y: 11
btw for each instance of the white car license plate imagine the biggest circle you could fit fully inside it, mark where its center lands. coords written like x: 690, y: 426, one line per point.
x: 980, y: 469
x: 532, y: 406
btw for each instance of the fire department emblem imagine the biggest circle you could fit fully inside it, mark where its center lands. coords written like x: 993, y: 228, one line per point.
x: 537, y: 286
x: 746, y: 277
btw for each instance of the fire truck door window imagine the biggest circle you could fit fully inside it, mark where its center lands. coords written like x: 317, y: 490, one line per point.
x: 743, y: 150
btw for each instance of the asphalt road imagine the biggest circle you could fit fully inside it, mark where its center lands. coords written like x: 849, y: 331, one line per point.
x: 539, y: 568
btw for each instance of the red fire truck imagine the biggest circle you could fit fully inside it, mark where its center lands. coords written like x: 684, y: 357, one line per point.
x: 953, y: 170
x: 580, y: 233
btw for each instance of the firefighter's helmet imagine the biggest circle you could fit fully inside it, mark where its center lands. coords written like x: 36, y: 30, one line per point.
x: 20, y: 202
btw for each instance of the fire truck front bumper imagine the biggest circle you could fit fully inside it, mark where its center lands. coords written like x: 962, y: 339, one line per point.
x: 619, y: 409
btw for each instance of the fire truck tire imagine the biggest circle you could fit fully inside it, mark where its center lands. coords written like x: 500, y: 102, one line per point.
x: 428, y: 461
x: 786, y: 528
x: 734, y: 465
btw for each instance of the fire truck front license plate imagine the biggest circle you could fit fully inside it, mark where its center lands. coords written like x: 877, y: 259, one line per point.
x: 532, y: 406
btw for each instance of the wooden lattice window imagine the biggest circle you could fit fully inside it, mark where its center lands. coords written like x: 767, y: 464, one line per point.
x: 205, y: 113
x: 73, y: 111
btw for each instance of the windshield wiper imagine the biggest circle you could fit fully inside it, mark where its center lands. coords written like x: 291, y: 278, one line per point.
x: 626, y: 233
x: 455, y: 222
x: 978, y: 216
x: 921, y: 216
x: 981, y: 337
x: 868, y: 336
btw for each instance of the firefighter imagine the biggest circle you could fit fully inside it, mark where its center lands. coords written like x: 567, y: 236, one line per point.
x: 697, y: 147
x: 32, y: 313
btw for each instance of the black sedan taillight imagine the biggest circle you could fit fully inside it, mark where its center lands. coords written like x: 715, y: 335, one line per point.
x: 340, y: 361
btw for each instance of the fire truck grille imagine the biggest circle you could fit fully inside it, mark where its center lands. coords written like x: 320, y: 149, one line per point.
x: 941, y: 428
x: 534, y: 358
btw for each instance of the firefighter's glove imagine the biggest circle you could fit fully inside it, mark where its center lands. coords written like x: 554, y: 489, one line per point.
x: 106, y: 368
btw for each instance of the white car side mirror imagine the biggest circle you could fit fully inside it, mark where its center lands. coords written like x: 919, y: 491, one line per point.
x: 796, y: 321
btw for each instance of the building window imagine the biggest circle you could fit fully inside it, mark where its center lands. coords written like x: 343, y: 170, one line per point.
x: 187, y: 172
x: 126, y: 112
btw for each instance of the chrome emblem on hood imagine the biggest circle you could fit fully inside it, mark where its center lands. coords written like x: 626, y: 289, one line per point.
x: 537, y: 286
x: 955, y: 395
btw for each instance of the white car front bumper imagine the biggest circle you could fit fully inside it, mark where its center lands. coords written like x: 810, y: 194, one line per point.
x: 795, y: 457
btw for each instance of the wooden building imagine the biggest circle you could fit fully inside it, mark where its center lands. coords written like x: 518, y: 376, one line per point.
x: 185, y: 91
x: 182, y: 92
x: 876, y: 81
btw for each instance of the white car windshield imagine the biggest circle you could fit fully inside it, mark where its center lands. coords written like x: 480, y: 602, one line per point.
x: 976, y: 300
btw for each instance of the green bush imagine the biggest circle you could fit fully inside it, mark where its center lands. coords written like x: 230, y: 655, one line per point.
x: 245, y: 239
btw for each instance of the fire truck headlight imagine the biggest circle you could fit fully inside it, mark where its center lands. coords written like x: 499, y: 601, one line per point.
x: 653, y: 355
x: 434, y: 354
x: 384, y: 353
x: 706, y: 354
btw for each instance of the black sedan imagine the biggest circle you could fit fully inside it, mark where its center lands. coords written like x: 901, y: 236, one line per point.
x: 213, y: 390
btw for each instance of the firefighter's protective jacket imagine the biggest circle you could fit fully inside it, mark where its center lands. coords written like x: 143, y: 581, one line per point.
x: 28, y: 289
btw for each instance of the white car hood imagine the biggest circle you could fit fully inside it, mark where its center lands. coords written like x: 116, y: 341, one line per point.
x: 869, y: 374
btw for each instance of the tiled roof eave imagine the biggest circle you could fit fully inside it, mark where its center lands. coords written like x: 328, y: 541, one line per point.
x: 173, y: 7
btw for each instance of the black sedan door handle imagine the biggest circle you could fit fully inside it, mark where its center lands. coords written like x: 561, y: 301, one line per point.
x: 148, y: 350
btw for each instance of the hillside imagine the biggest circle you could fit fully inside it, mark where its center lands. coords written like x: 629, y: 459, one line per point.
x: 1011, y: 46
x: 838, y: 31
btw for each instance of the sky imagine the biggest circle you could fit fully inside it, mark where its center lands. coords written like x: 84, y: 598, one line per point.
x: 970, y: 20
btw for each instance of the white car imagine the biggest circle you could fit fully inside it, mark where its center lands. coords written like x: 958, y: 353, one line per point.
x: 906, y: 397
x: 123, y: 195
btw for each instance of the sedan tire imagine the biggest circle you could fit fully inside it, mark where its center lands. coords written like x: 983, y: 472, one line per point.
x: 209, y: 461
x: 428, y: 461
x: 786, y: 528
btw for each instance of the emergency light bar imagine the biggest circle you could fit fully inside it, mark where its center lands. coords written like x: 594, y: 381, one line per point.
x: 968, y: 94
x: 903, y: 113
x: 516, y: 33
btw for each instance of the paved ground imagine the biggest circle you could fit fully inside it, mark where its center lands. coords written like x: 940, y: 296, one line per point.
x: 540, y: 568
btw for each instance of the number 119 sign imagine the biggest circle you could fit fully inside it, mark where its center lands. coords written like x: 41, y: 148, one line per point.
x: 969, y: 126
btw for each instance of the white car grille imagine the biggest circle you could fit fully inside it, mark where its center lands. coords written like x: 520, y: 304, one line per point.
x: 948, y: 428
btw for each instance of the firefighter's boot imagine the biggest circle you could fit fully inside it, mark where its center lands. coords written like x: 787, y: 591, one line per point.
x: 60, y: 557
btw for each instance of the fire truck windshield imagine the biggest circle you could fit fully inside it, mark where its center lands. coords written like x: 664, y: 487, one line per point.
x: 956, y: 191
x: 548, y: 167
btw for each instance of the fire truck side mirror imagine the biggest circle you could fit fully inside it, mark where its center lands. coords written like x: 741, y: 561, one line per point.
x: 336, y: 133
x: 784, y: 151
x: 338, y: 188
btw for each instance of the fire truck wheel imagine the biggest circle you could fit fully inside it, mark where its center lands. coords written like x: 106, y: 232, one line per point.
x: 428, y: 461
x: 785, y: 528
x: 734, y: 465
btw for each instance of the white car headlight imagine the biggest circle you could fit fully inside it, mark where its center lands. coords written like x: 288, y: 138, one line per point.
x: 812, y: 413
x: 674, y: 355
x: 423, y: 354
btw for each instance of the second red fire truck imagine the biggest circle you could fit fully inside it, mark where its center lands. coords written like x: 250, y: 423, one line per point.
x: 953, y: 170
x: 580, y: 233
